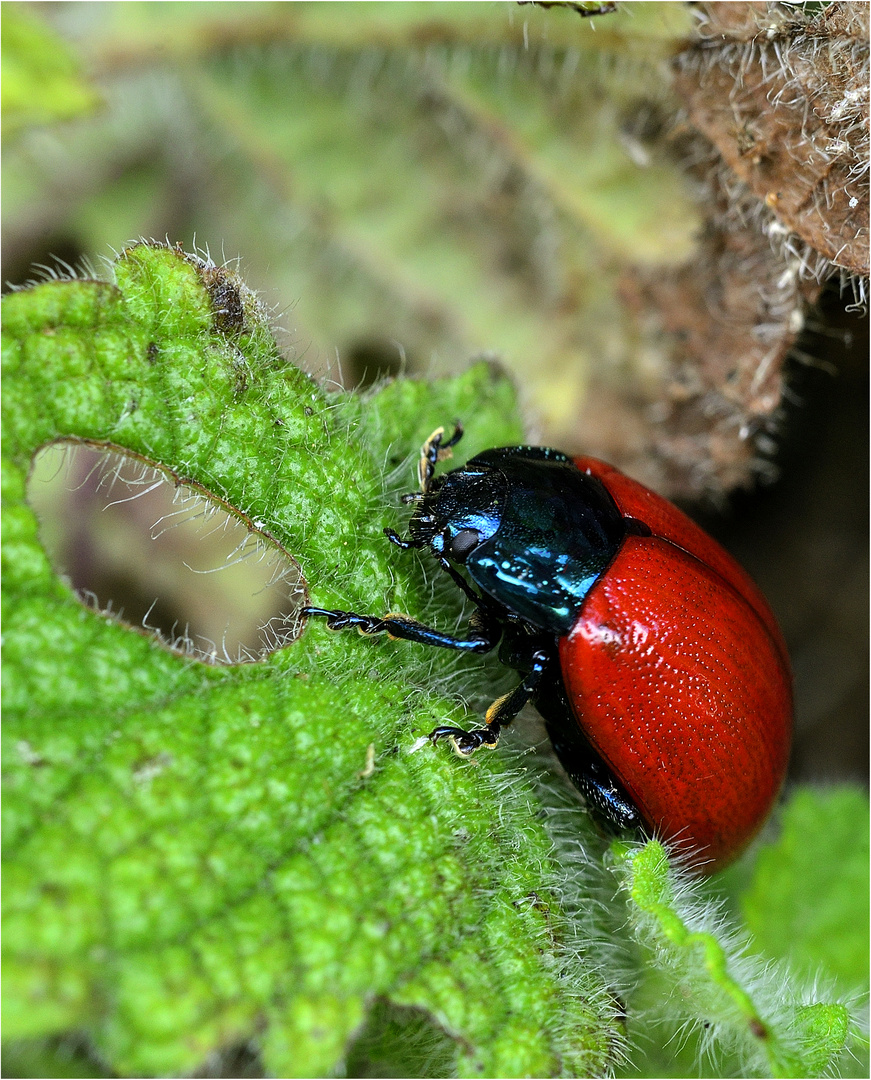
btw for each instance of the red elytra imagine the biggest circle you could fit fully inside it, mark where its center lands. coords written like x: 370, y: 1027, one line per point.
x: 678, y: 674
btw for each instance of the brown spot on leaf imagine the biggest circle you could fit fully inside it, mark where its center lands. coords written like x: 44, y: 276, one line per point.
x: 226, y: 299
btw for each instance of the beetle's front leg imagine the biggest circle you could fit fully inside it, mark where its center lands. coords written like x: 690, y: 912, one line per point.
x: 484, y: 633
x: 499, y: 715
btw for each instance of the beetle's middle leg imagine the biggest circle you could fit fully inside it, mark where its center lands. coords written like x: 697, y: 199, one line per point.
x: 499, y: 715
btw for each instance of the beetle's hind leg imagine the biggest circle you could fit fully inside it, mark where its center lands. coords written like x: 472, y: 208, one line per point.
x: 499, y: 715
x: 610, y: 805
x: 605, y: 797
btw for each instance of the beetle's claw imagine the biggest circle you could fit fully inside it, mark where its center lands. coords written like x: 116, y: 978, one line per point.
x: 465, y: 743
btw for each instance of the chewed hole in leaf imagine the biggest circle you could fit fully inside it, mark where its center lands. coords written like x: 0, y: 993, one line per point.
x: 164, y: 556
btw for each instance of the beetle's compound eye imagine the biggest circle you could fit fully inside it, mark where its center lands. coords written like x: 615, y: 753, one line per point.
x: 463, y: 544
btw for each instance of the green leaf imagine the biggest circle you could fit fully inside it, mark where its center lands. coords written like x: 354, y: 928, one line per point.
x: 808, y: 900
x: 66, y: 1059
x: 732, y: 1012
x: 199, y: 855
x: 42, y: 81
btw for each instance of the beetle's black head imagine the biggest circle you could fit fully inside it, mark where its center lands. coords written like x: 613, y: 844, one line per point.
x: 458, y: 512
x: 532, y: 530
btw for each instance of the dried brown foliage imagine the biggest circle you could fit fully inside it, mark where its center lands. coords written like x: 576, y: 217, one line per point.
x: 776, y: 127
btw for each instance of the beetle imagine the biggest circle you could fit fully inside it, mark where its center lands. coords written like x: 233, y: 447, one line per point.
x: 653, y: 658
